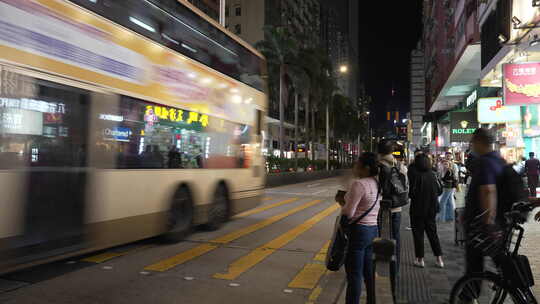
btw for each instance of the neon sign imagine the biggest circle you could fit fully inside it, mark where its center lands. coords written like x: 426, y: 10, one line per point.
x: 174, y: 115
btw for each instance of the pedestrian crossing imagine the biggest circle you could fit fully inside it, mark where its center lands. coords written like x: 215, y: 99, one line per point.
x: 258, y: 224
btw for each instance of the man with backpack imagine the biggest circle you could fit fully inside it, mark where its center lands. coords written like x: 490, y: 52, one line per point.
x: 487, y: 199
x: 395, y: 191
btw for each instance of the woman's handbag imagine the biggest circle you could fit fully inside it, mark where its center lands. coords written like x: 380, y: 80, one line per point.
x: 337, y: 251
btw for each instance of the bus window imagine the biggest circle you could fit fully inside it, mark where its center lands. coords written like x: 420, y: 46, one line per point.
x: 146, y: 135
x: 44, y: 130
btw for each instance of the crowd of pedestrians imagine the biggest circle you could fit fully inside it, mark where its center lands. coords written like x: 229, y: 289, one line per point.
x: 431, y: 184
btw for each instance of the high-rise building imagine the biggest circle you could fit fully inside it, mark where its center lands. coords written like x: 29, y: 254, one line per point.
x: 246, y: 18
x: 418, y: 94
x: 334, y: 39
x: 353, y: 45
x: 209, y: 7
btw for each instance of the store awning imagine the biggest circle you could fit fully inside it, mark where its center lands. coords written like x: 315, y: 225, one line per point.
x: 462, y: 81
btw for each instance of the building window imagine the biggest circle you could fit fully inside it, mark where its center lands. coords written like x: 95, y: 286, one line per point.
x: 226, y: 11
x: 238, y: 11
x: 238, y: 29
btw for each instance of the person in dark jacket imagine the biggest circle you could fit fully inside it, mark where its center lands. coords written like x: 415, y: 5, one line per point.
x: 424, y: 193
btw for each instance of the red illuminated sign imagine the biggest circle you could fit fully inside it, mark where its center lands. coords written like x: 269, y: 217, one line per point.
x: 521, y: 83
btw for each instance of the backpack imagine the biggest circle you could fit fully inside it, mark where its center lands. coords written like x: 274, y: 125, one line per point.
x: 510, y: 190
x: 394, y: 186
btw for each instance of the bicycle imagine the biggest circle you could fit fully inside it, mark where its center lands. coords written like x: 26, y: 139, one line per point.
x: 513, y: 280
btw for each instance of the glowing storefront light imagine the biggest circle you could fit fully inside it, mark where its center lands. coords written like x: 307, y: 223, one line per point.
x: 32, y: 105
x: 111, y: 117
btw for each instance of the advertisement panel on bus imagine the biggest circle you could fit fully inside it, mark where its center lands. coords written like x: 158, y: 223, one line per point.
x: 58, y: 37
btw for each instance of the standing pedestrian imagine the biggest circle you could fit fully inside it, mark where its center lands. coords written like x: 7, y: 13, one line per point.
x: 446, y: 201
x: 532, y: 167
x: 362, y: 199
x: 424, y: 193
x: 481, y: 201
x: 388, y: 167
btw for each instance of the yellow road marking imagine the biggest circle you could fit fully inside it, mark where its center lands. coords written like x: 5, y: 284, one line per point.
x: 103, y: 257
x: 321, y: 256
x: 310, y: 275
x: 264, y: 208
x: 256, y: 256
x: 314, y: 295
x: 213, y: 244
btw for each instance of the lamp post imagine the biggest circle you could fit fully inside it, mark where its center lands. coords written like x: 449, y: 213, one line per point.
x: 369, y: 130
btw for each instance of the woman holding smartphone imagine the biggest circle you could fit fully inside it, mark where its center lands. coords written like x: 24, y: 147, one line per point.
x: 361, y: 206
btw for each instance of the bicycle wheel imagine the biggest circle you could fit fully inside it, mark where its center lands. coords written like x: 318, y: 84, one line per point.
x: 483, y: 288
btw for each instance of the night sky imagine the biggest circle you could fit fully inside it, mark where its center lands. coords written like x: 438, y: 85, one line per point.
x: 388, y: 33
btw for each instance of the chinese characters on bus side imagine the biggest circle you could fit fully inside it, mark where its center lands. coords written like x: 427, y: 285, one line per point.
x: 176, y: 115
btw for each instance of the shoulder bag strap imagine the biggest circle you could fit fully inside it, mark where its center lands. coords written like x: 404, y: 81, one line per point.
x: 370, y: 208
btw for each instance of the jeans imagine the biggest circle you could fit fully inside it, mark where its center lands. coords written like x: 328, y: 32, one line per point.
x: 359, y: 263
x: 421, y: 225
x: 446, y: 205
x: 396, y: 235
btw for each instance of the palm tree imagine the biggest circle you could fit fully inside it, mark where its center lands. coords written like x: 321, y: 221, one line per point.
x: 301, y: 83
x: 280, y: 49
x: 309, y: 59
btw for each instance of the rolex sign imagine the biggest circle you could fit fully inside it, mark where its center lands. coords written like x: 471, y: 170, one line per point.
x: 463, y: 125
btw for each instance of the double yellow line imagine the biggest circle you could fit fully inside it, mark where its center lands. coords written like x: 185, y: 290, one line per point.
x: 202, y: 249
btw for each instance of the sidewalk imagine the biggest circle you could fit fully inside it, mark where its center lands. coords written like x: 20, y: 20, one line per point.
x: 430, y: 285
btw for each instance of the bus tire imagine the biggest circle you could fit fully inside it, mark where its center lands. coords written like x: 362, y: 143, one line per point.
x: 219, y: 211
x: 180, y: 216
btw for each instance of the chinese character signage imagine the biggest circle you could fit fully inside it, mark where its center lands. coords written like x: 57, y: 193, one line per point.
x: 521, y: 83
x: 492, y: 110
x: 462, y: 126
x: 155, y: 113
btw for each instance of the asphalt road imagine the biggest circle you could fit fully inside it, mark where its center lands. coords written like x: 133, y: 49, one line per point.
x: 272, y: 254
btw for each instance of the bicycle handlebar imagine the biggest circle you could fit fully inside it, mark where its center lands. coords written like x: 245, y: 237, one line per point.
x: 519, y: 213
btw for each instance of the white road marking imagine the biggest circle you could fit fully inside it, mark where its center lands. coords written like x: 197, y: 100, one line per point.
x: 71, y: 262
x: 287, y: 291
x: 319, y: 192
x: 107, y: 267
x: 313, y: 185
x: 144, y: 272
x: 234, y: 284
x: 189, y: 278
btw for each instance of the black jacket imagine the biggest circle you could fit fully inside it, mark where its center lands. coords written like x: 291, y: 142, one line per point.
x: 424, y: 192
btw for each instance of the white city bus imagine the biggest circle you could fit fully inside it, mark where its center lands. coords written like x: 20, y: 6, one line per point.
x: 119, y: 121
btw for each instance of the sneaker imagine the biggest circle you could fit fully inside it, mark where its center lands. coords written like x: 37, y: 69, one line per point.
x: 440, y: 263
x: 419, y: 264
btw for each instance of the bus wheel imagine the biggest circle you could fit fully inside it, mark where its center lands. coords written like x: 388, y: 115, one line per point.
x: 180, y: 216
x: 218, y: 213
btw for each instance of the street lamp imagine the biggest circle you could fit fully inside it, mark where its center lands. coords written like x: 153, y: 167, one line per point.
x: 343, y: 69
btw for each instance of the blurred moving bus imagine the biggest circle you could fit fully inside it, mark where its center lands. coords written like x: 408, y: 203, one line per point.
x: 121, y: 120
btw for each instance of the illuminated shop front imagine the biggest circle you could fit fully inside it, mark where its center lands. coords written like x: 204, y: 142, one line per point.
x: 506, y: 121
